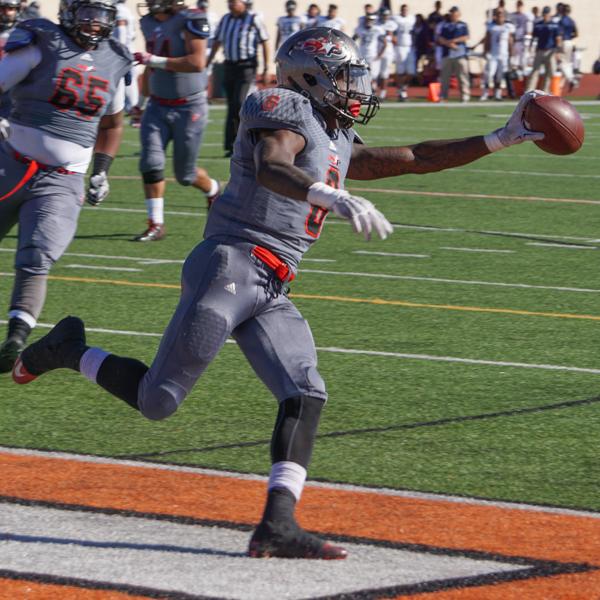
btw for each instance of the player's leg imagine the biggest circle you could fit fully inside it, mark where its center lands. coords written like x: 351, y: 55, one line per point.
x: 188, y: 130
x: 464, y: 83
x: 279, y: 346
x: 535, y: 71
x: 155, y: 134
x: 246, y: 76
x: 19, y: 325
x: 445, y: 74
x: 201, y: 324
x: 230, y: 76
x: 47, y: 223
x: 550, y: 66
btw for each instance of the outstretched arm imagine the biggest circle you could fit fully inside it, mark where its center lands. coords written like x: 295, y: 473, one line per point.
x: 432, y: 156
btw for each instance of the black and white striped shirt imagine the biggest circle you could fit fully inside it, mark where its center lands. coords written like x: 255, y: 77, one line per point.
x: 241, y: 35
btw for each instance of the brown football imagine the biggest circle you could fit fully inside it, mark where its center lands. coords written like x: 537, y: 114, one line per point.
x: 558, y: 120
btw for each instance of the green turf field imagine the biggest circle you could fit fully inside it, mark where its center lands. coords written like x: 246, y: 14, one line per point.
x: 496, y: 262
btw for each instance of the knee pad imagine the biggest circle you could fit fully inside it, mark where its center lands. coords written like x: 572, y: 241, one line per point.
x: 160, y: 402
x: 295, y: 430
x: 154, y: 176
x: 33, y: 260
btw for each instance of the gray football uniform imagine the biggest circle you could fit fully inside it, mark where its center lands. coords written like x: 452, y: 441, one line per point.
x: 5, y: 100
x: 227, y: 290
x: 178, y: 107
x: 65, y: 96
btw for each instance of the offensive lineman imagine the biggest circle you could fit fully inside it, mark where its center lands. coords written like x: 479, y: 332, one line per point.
x: 294, y: 149
x: 67, y: 92
x: 176, y: 78
x: 10, y: 11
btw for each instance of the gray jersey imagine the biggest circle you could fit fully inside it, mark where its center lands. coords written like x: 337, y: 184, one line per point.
x: 250, y: 211
x: 5, y: 101
x: 167, y: 38
x: 68, y: 92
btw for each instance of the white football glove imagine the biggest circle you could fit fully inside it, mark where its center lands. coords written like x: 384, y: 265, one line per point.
x: 515, y: 130
x: 4, y: 129
x: 361, y: 213
x: 98, y: 189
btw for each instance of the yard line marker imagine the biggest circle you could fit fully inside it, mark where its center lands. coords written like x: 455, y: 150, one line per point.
x: 567, y: 246
x: 399, y: 254
x: 377, y: 353
x: 102, y: 268
x: 477, y: 250
x: 532, y: 173
x: 455, y: 281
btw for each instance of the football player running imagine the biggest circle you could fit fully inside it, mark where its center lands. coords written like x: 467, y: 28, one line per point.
x: 295, y: 147
x: 176, y: 80
x: 67, y: 91
x: 10, y: 11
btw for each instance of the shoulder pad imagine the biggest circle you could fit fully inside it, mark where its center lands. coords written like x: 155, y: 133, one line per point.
x: 19, y: 38
x: 120, y: 49
x: 357, y: 139
x: 196, y: 23
x: 286, y: 108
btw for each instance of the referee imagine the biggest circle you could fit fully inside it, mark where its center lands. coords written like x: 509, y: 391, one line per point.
x: 239, y: 33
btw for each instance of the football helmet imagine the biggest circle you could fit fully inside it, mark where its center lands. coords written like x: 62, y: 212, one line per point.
x: 326, y: 66
x: 154, y: 7
x: 88, y: 22
x: 9, y: 21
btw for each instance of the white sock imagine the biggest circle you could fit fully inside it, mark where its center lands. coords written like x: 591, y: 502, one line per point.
x: 214, y: 188
x: 24, y: 316
x: 91, y: 361
x: 155, y: 207
x: 289, y: 475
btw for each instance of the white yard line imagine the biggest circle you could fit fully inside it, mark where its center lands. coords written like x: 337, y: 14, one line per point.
x: 102, y: 268
x: 564, y: 246
x: 452, y: 281
x: 532, y: 173
x: 377, y: 353
x: 398, y: 254
x: 477, y: 250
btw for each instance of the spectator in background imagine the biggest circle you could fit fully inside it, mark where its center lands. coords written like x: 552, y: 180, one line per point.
x: 387, y: 59
x: 331, y: 19
x: 369, y: 9
x: 523, y: 23
x: 239, y: 33
x: 372, y: 43
x: 567, y: 56
x: 453, y: 39
x: 433, y: 20
x: 548, y: 35
x: 289, y: 23
x: 438, y: 49
x: 313, y: 14
x: 498, y: 43
x: 421, y: 37
x: 405, y: 54
x: 124, y: 32
x: 535, y: 13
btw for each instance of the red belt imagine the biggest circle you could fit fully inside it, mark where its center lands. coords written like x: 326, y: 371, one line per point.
x: 282, y: 271
x: 169, y: 101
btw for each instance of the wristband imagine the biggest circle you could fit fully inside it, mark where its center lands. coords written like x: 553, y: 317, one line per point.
x: 102, y: 162
x: 157, y: 62
x: 323, y: 195
x: 492, y: 141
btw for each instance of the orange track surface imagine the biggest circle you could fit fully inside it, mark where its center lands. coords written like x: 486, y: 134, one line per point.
x: 454, y: 525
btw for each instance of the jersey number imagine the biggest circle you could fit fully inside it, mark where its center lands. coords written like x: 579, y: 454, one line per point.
x: 316, y: 217
x: 79, y: 91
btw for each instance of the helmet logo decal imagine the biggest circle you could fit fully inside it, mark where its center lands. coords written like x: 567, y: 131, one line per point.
x: 270, y: 102
x: 322, y: 47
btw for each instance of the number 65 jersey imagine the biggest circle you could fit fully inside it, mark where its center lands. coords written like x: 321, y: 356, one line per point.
x: 70, y: 89
x: 249, y: 210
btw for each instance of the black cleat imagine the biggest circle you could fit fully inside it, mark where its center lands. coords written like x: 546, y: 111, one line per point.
x: 61, y: 348
x: 154, y: 233
x: 289, y: 540
x: 9, y: 352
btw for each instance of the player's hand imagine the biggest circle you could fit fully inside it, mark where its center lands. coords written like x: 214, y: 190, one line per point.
x: 4, y: 129
x: 98, y: 189
x: 515, y: 131
x: 363, y: 216
x: 142, y: 58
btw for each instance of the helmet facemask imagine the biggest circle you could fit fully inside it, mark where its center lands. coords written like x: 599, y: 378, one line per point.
x: 6, y: 21
x: 155, y: 7
x: 88, y: 22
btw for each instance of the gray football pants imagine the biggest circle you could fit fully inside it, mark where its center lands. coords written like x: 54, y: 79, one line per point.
x: 47, y: 210
x: 184, y: 125
x: 226, y: 291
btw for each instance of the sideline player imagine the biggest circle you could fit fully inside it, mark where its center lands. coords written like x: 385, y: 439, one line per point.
x: 176, y: 78
x: 405, y: 53
x: 372, y: 43
x: 10, y: 11
x: 289, y: 24
x: 498, y: 46
x: 124, y: 31
x: 295, y: 147
x: 67, y: 92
